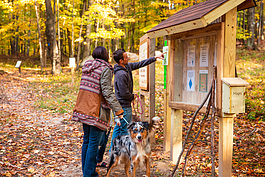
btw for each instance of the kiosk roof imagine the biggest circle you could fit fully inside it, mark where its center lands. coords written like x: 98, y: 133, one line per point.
x: 196, y: 14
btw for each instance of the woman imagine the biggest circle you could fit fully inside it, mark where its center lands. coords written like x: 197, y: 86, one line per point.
x: 94, y: 100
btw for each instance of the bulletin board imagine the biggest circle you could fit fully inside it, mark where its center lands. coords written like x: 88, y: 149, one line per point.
x: 194, y: 57
x: 143, y: 72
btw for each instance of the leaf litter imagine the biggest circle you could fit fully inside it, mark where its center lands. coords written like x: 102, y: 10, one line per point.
x: 41, y: 142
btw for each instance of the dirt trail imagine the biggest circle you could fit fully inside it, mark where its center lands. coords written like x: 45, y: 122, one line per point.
x: 41, y: 143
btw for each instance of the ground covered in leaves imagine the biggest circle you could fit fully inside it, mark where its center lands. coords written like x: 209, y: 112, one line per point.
x: 40, y: 140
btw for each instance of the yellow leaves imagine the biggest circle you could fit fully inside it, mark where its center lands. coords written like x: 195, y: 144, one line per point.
x: 103, y: 33
x: 8, y: 174
x: 31, y: 169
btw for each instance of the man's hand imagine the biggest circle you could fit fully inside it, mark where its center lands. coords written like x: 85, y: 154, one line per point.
x: 160, y: 56
x: 119, y: 123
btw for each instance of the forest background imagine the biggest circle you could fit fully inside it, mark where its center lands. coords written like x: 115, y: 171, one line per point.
x: 46, y: 33
x: 36, y: 105
x: 55, y: 30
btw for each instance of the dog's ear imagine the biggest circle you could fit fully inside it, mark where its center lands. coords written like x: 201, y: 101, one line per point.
x: 130, y: 126
x: 146, y: 125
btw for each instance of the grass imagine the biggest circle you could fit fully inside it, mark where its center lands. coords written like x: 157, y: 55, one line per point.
x: 251, y: 67
x: 56, y: 93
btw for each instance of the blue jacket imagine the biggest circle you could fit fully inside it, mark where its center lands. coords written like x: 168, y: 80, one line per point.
x: 123, y: 81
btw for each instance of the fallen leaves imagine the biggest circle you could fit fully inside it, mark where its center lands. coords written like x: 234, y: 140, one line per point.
x: 42, y: 142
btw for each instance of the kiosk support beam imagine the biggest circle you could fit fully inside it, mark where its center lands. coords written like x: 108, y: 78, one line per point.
x: 225, y: 146
x: 167, y: 109
x: 152, y: 80
x: 226, y: 121
x: 176, y: 134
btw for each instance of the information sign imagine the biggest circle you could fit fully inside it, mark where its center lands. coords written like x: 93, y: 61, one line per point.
x: 18, y: 64
x: 191, y: 56
x: 204, y: 52
x: 191, y: 80
x: 143, y: 72
x: 165, y: 61
x: 203, y: 80
x: 72, y: 62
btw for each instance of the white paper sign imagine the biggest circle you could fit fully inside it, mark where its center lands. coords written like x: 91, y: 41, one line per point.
x: 190, y: 80
x: 72, y: 62
x: 165, y: 61
x: 18, y: 64
x: 191, y: 56
x: 204, y: 52
x: 143, y: 71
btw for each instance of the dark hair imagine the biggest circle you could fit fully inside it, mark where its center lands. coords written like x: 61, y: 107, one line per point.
x: 118, y: 54
x: 101, y: 53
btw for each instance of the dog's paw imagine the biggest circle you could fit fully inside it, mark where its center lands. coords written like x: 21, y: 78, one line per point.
x: 156, y: 119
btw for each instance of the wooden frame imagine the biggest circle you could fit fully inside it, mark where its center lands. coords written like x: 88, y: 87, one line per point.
x: 179, y: 67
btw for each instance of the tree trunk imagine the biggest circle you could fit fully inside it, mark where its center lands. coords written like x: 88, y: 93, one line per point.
x: 251, y: 27
x: 28, y: 44
x: 69, y: 43
x: 52, y: 44
x: 87, y: 41
x: 73, y: 46
x: 260, y: 28
x: 43, y: 41
x: 40, y: 38
x: 59, y: 35
x: 80, y: 36
x: 133, y: 28
x: 96, y: 42
x: 244, y: 26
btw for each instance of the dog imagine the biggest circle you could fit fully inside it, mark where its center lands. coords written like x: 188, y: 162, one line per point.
x: 133, y: 149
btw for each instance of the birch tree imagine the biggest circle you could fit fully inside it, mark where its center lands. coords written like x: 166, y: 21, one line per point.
x: 39, y: 32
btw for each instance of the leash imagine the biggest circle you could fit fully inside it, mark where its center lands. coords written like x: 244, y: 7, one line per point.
x: 137, y: 105
x: 117, y: 119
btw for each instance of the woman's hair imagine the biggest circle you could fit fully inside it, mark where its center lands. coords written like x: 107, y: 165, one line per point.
x: 101, y: 53
x: 118, y: 54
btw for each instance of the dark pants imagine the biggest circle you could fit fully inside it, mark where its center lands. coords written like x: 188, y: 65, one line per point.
x: 103, y: 144
x: 122, y: 130
x: 91, y: 140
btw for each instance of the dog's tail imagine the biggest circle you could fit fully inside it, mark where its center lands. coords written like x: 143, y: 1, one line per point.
x: 152, y: 127
x: 154, y: 122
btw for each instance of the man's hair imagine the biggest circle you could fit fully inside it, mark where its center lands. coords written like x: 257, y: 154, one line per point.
x: 101, y: 53
x: 118, y: 54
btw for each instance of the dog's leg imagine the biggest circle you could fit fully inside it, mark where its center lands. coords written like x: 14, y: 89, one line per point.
x: 135, y: 165
x: 112, y: 165
x: 147, y: 163
x: 127, y: 168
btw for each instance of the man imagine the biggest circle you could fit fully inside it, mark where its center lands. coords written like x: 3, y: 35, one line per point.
x: 123, y: 84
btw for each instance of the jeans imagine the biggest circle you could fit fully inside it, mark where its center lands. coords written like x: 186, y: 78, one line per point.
x: 122, y: 130
x: 103, y: 143
x: 91, y: 140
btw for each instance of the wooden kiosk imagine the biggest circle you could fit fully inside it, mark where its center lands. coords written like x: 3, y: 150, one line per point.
x: 200, y: 37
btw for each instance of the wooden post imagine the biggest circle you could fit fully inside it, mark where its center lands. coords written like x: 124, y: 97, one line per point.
x: 142, y: 97
x: 226, y: 121
x: 152, y: 80
x: 176, y: 134
x: 225, y: 146
x: 72, y: 66
x: 18, y: 65
x: 167, y: 109
x: 72, y: 71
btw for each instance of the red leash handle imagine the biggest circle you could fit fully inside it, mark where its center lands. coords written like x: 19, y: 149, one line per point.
x: 138, y: 102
